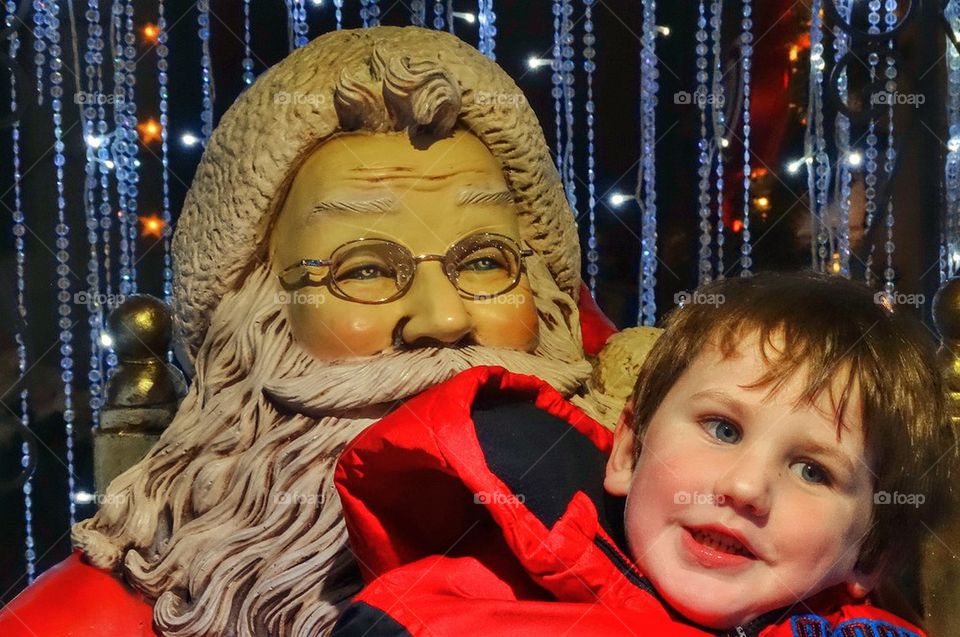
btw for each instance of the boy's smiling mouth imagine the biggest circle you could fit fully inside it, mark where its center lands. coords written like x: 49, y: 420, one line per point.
x: 716, y: 546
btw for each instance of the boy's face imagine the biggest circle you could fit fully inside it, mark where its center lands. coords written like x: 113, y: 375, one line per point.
x: 742, y: 500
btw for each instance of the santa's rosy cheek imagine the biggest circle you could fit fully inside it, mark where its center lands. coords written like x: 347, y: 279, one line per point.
x: 332, y: 333
x: 508, y: 325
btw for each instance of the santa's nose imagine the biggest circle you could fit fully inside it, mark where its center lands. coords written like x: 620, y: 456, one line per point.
x: 434, y: 311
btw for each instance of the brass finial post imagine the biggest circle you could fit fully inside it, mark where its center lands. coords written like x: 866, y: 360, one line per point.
x: 144, y: 391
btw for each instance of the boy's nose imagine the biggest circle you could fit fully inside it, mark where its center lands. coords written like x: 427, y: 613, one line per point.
x: 745, y: 487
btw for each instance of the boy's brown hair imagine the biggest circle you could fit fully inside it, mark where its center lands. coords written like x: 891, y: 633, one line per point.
x: 824, y: 326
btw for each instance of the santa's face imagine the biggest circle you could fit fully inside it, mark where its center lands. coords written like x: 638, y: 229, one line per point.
x: 424, y: 198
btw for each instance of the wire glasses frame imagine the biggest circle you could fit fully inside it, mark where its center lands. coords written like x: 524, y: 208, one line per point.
x: 375, y: 271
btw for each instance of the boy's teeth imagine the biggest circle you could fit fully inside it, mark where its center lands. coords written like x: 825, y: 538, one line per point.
x: 721, y: 543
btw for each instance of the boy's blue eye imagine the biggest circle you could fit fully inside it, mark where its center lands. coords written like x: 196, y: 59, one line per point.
x: 723, y: 430
x: 811, y: 472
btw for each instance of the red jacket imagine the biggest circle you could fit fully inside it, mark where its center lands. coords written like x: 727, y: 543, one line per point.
x: 478, y: 507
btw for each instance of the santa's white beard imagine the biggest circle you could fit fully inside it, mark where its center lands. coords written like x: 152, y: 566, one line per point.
x: 232, y: 522
x: 387, y: 378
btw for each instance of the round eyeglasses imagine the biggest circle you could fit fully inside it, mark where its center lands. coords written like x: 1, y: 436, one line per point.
x: 373, y: 271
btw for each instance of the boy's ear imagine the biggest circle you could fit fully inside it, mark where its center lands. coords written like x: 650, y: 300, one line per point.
x: 860, y: 584
x: 621, y: 460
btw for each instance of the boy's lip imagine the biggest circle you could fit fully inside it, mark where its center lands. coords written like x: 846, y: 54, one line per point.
x: 724, y: 532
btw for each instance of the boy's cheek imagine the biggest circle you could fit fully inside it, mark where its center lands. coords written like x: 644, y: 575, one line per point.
x: 657, y: 484
x: 664, y: 469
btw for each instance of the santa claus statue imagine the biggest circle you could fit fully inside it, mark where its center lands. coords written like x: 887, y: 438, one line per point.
x: 377, y: 213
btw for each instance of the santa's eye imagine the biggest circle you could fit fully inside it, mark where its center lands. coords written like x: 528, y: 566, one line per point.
x: 364, y: 272
x: 481, y: 264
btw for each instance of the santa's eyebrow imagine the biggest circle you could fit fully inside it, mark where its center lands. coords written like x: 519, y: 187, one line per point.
x: 383, y: 204
x: 482, y: 197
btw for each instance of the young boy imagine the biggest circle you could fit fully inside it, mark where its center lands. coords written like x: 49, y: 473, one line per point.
x: 779, y: 453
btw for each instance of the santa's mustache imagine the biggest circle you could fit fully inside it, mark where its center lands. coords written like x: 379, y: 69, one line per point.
x: 336, y: 387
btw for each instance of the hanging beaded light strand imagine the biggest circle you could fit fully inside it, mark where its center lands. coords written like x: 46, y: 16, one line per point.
x: 300, y: 25
x: 719, y: 118
x: 590, y: 66
x: 890, y: 73
x: 93, y: 59
x: 704, y: 155
x: 950, y: 248
x: 39, y: 43
x: 556, y: 79
x: 491, y: 31
x: 119, y: 141
x: 418, y: 13
x: 206, y: 72
x: 133, y: 142
x: 162, y: 80
x: 841, y: 44
x: 646, y: 186
x: 338, y: 13
x: 372, y: 16
x: 19, y: 231
x: 568, y: 78
x: 819, y: 178
x: 247, y: 50
x: 64, y: 296
x: 486, y: 19
x: 126, y: 146
x: 746, y: 57
x: 481, y: 27
x: 872, y: 153
x: 439, y: 22
x: 98, y: 150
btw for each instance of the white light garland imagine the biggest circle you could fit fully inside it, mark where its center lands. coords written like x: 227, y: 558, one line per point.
x: 19, y: 231
x: 746, y: 57
x: 590, y: 66
x: 647, y: 312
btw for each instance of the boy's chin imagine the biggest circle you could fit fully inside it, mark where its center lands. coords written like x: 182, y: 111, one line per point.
x: 715, y: 618
x: 701, y: 611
